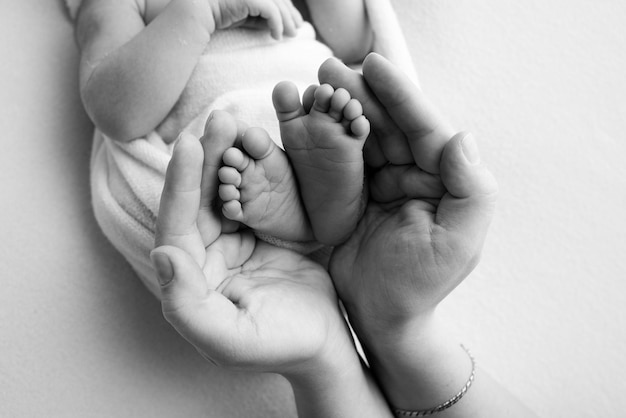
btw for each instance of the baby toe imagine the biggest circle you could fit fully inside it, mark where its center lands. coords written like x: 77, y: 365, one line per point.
x: 228, y: 192
x: 257, y: 143
x: 235, y: 158
x: 232, y: 210
x: 308, y: 97
x: 323, y: 96
x: 352, y: 110
x: 286, y: 101
x: 360, y: 127
x: 338, y: 102
x: 229, y: 175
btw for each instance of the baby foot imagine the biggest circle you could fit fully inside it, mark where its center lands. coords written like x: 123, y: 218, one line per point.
x: 381, y: 87
x: 394, y: 146
x: 324, y: 140
x: 258, y: 189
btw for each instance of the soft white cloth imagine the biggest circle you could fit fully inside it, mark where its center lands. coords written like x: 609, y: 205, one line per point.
x: 236, y: 73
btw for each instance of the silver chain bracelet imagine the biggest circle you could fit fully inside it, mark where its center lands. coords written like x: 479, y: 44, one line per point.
x: 447, y: 404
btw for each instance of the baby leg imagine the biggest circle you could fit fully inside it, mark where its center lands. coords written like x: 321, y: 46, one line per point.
x: 324, y: 141
x: 258, y: 189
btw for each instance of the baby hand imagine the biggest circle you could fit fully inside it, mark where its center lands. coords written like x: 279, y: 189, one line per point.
x: 280, y: 16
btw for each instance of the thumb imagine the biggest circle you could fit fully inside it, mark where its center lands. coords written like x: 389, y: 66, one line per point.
x: 469, y: 205
x: 199, y: 314
x: 179, y: 274
x: 221, y: 132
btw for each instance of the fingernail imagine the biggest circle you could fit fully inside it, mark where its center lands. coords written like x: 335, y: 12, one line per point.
x: 163, y: 266
x: 470, y: 150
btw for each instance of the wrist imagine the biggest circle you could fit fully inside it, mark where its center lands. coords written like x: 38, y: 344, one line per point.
x: 337, y: 384
x: 379, y: 332
x: 333, y: 360
x: 418, y: 364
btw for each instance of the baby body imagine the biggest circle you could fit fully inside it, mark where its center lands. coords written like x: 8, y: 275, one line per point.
x: 234, y: 69
x: 237, y: 73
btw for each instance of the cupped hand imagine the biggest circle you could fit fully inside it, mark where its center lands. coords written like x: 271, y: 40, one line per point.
x: 421, y: 234
x: 243, y: 304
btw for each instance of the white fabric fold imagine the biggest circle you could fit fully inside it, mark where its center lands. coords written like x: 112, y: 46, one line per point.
x: 236, y: 73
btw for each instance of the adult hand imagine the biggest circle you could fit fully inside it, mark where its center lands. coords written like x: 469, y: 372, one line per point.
x: 419, y: 238
x: 421, y: 234
x: 243, y: 304
x: 248, y: 305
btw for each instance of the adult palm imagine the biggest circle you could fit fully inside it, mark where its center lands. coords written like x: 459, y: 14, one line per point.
x: 244, y: 304
x: 430, y: 205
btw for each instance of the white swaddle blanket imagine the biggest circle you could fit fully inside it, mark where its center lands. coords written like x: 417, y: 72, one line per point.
x: 236, y: 73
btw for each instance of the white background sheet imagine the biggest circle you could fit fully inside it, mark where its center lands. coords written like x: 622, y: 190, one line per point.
x: 540, y: 83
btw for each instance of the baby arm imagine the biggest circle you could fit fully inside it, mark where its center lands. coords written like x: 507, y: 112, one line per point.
x: 132, y: 74
x: 344, y: 27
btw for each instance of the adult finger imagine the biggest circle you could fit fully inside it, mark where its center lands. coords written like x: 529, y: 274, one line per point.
x: 178, y: 212
x: 200, y: 314
x: 468, y: 207
x: 386, y: 135
x: 426, y: 131
x: 220, y: 133
x: 373, y: 154
x: 395, y: 182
